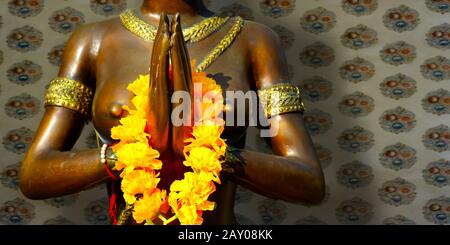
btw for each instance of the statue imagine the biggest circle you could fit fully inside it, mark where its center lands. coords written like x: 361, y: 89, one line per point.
x: 102, y: 59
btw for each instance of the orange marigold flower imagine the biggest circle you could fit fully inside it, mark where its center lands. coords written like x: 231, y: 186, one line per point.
x: 139, y: 155
x: 130, y: 130
x: 187, y: 215
x: 203, y: 159
x: 137, y: 182
x: 147, y: 208
x: 140, y: 86
x: 194, y: 189
x: 207, y: 135
x: 139, y: 162
x: 140, y: 104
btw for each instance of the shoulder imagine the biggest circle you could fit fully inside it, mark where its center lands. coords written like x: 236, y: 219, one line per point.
x: 81, y: 50
x: 266, y: 54
x: 91, y: 34
x: 257, y: 33
x: 99, y: 27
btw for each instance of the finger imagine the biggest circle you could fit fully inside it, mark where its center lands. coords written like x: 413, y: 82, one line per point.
x: 180, y: 58
x: 158, y: 114
x: 182, y: 81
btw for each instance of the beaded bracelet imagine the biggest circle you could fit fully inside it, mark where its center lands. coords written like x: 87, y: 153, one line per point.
x: 104, y: 160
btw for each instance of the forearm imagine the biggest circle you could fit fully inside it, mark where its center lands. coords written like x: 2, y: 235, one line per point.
x: 50, y: 167
x: 54, y: 173
x: 287, y: 178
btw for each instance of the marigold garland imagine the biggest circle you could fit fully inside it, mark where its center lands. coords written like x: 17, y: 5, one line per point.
x: 139, y: 163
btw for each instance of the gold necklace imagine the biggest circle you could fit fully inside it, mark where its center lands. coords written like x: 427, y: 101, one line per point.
x: 222, y: 46
x: 194, y: 33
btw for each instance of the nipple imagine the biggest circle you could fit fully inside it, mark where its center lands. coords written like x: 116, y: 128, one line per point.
x: 115, y: 110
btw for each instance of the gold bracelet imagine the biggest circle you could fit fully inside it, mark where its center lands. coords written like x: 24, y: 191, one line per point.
x: 69, y: 94
x: 281, y: 98
x: 231, y: 160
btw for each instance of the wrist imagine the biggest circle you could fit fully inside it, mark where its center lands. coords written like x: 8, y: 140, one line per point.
x: 231, y: 159
x: 108, y: 158
x: 111, y: 158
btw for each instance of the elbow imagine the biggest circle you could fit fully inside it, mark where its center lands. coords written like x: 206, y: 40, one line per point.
x: 28, y: 184
x: 316, y: 192
x: 28, y: 192
x: 308, y: 189
x: 32, y: 191
x: 310, y: 194
x: 316, y: 188
x: 315, y: 185
x: 28, y: 188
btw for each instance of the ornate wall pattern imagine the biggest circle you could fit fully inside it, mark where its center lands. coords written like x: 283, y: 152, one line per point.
x: 375, y: 77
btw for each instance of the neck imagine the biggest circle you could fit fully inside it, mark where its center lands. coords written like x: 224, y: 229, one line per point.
x: 189, y: 10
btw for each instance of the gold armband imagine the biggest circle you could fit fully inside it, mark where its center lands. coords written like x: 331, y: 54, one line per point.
x: 70, y: 94
x: 281, y: 98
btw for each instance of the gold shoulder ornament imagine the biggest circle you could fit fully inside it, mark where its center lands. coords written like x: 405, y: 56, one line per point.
x: 281, y: 98
x: 69, y: 94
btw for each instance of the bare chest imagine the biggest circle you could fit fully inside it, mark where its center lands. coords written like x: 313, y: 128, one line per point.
x: 121, y: 60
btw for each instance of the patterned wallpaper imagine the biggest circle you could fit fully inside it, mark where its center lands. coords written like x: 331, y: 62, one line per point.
x: 375, y: 78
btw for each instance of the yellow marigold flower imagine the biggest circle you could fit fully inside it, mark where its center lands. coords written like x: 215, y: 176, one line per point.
x: 187, y: 215
x: 126, y: 170
x: 119, y: 166
x: 211, y: 91
x: 204, y: 159
x: 131, y: 130
x: 208, y: 136
x: 211, y: 104
x: 207, y: 205
x: 194, y: 189
x: 180, y: 188
x: 209, y: 111
x: 139, y: 162
x: 136, y: 182
x: 140, y: 104
x: 208, y: 84
x: 212, y: 111
x: 205, y: 186
x: 147, y: 208
x: 139, y: 155
x: 140, y: 86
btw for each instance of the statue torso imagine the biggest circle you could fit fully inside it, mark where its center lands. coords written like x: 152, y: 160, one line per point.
x: 121, y: 57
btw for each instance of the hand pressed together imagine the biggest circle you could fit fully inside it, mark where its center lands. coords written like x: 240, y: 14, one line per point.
x: 170, y: 71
